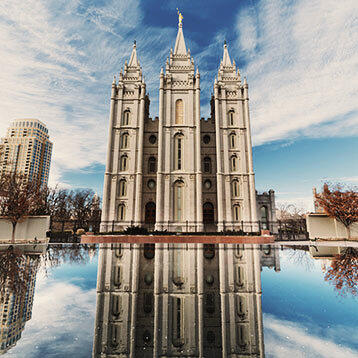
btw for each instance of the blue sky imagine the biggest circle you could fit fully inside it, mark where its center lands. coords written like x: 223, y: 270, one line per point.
x: 300, y: 58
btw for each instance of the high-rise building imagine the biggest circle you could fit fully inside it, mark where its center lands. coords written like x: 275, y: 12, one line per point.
x: 190, y: 300
x: 26, y: 149
x: 16, y: 301
x: 181, y: 172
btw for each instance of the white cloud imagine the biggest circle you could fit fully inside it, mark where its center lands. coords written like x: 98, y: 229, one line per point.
x: 57, y: 63
x: 302, y: 68
x: 62, y: 322
x: 290, y: 339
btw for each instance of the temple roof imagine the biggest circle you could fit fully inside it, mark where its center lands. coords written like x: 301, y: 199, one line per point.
x: 180, y: 48
x: 133, y: 62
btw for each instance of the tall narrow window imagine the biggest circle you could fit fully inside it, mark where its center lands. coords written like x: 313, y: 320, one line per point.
x: 235, y: 188
x: 152, y: 165
x: 232, y: 140
x: 178, y: 160
x: 178, y: 200
x: 124, y: 141
x: 207, y: 165
x: 125, y: 118
x: 178, y: 278
x: 179, y: 111
x: 264, y: 217
x: 236, y: 212
x: 177, y: 322
x: 122, y: 188
x: 234, y: 163
x: 231, y: 117
x: 121, y: 212
x: 123, y: 163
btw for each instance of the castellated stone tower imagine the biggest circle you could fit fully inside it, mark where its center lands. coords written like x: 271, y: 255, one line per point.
x: 181, y: 172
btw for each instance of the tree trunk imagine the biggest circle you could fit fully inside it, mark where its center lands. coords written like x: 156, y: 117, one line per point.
x: 13, y: 232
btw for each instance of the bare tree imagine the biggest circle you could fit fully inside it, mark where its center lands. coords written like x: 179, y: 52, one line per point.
x: 20, y: 197
x: 339, y: 202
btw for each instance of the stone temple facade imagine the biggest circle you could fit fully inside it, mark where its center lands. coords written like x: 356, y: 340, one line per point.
x: 194, y: 300
x: 180, y: 172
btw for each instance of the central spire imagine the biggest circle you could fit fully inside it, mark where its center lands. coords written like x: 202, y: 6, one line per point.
x: 180, y: 48
x: 226, y: 58
x: 133, y: 62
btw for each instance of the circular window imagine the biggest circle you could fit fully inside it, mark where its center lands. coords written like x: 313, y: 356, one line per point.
x: 209, y: 251
x: 151, y: 184
x: 147, y: 337
x: 209, y: 279
x: 206, y: 139
x: 152, y: 139
x: 148, y: 278
x: 207, y: 184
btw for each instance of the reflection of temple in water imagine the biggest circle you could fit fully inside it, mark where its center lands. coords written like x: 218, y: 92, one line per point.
x: 190, y: 300
x: 16, y: 306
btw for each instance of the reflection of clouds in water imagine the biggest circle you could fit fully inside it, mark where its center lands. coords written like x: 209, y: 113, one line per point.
x: 62, y: 322
x: 290, y: 339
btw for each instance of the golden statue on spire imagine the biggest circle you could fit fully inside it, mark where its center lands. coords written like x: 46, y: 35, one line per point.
x: 180, y: 17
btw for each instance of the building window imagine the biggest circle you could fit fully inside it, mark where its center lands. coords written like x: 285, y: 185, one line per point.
x: 125, y: 118
x: 233, y: 163
x: 123, y: 163
x: 177, y: 322
x: 179, y: 111
x: 178, y: 162
x: 232, y: 140
x: 121, y: 212
x: 236, y: 212
x: 178, y: 278
x: 231, y: 117
x: 235, y: 188
x: 207, y: 165
x: 149, y: 251
x: 206, y: 139
x: 264, y: 217
x: 207, y: 184
x: 178, y: 200
x: 122, y: 188
x: 151, y: 184
x: 152, y: 139
x: 152, y: 165
x: 124, y: 141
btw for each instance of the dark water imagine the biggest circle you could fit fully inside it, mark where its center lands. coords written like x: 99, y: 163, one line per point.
x: 184, y: 300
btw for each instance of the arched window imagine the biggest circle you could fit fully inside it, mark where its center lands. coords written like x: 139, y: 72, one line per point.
x: 178, y: 278
x: 178, y: 200
x: 234, y: 162
x: 152, y: 165
x: 207, y: 165
x: 179, y: 144
x: 122, y: 187
x: 121, y: 212
x: 208, y: 213
x: 123, y: 163
x: 235, y: 188
x: 232, y: 140
x: 231, y: 117
x: 264, y: 217
x: 177, y: 322
x: 124, y: 140
x: 179, y: 111
x: 149, y: 213
x: 125, y: 118
x: 237, y: 212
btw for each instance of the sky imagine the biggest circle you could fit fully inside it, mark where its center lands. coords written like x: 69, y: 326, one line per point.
x: 300, y: 58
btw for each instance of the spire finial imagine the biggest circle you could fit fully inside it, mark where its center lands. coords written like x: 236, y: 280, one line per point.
x: 225, y: 42
x: 135, y: 43
x: 180, y: 16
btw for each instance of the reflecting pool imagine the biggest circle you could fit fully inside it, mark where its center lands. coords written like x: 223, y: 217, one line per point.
x: 171, y: 300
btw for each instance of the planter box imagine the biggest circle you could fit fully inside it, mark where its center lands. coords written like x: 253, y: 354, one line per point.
x: 27, y: 229
x: 321, y: 226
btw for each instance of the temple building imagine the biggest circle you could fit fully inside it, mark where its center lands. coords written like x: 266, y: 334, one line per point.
x: 180, y: 172
x: 194, y: 300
